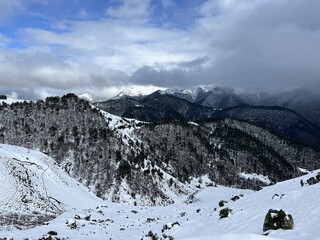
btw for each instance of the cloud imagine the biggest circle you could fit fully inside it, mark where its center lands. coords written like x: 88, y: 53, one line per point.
x: 254, y: 45
x: 114, y: 45
x: 130, y: 10
x: 258, y: 45
x: 37, y: 73
x: 266, y: 44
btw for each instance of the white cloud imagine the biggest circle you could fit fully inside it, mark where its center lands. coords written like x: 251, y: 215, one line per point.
x: 114, y: 45
x: 257, y: 44
x: 130, y: 10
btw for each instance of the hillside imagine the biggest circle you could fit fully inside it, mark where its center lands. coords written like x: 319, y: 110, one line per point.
x: 124, y: 160
x: 281, y: 120
x: 155, y: 107
x: 34, y: 187
x: 197, y: 219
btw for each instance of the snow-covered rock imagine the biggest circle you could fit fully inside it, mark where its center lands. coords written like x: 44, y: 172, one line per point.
x: 277, y: 219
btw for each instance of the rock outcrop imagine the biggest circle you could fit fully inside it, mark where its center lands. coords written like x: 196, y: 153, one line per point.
x: 277, y: 219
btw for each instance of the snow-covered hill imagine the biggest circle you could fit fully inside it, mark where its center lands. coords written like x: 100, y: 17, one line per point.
x: 196, y: 219
x: 33, y: 185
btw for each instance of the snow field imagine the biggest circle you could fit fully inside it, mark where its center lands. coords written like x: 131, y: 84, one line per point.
x: 195, y: 219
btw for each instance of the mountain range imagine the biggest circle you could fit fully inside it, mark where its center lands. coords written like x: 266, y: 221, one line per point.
x: 294, y: 115
x: 86, y: 151
x: 105, y: 152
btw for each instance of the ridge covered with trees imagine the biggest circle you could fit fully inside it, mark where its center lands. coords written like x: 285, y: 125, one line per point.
x: 143, y: 161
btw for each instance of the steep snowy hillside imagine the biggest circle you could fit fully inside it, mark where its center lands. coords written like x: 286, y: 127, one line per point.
x: 34, y: 186
x: 196, y: 219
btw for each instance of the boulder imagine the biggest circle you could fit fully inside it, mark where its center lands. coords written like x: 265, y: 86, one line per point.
x: 277, y: 219
x: 302, y: 171
x: 71, y: 223
x: 313, y: 180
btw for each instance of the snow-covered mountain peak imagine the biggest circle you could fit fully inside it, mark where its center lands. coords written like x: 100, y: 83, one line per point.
x: 196, y: 92
x: 137, y: 91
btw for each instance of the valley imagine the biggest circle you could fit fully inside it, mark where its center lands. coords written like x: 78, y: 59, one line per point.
x: 72, y: 169
x: 196, y: 217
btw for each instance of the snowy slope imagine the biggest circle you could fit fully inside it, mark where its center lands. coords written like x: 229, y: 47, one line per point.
x: 198, y: 219
x: 31, y: 182
x: 124, y: 127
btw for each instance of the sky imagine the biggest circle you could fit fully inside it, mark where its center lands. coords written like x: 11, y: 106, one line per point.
x: 100, y: 47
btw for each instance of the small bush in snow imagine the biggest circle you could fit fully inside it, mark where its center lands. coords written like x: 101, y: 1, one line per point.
x: 54, y: 233
x: 235, y: 198
x: 168, y: 226
x: 49, y: 237
x: 165, y: 237
x: 222, y: 202
x: 210, y: 185
x: 225, y: 212
x: 149, y: 220
x: 87, y: 217
x: 183, y: 214
x: 152, y: 235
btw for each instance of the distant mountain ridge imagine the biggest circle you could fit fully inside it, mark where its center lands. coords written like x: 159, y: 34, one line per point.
x: 155, y: 107
x: 298, y: 119
x: 281, y: 120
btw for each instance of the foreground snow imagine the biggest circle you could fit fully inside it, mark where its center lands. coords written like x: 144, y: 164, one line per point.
x: 197, y: 220
x: 32, y: 182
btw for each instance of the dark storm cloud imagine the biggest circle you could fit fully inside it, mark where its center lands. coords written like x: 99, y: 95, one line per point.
x: 269, y: 46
